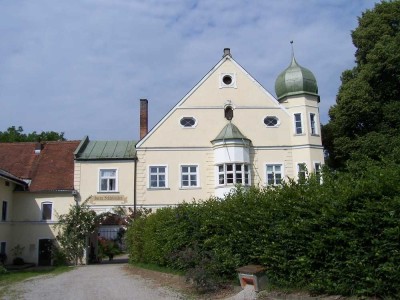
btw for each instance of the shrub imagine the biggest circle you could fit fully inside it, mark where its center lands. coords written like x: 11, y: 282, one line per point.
x: 18, y: 261
x: 338, y: 237
x: 3, y: 270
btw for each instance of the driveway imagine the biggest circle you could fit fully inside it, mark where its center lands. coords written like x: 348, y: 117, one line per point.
x: 104, y: 281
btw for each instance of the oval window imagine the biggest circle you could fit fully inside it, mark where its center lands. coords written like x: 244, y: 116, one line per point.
x: 188, y: 122
x: 271, y: 121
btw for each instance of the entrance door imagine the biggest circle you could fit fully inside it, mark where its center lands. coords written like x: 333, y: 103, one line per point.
x: 45, y: 246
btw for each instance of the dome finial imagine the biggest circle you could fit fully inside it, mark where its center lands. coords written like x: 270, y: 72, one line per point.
x: 293, y: 58
x: 291, y: 43
x: 295, y: 80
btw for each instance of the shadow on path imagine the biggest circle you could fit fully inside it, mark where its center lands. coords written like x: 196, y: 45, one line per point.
x: 120, y: 259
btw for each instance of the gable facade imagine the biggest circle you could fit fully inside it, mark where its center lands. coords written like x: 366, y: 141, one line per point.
x: 278, y: 139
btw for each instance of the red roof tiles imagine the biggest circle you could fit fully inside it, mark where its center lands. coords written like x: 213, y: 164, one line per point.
x: 50, y: 170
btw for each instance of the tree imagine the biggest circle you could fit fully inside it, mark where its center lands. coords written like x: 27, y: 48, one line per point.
x: 13, y: 134
x: 74, y: 230
x: 364, y: 122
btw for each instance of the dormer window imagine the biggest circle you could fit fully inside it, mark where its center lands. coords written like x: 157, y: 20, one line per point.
x: 188, y: 122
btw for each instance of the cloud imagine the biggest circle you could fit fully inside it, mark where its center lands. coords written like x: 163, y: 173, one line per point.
x: 81, y: 66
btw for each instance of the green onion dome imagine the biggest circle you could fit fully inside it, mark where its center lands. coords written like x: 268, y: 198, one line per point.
x: 295, y: 80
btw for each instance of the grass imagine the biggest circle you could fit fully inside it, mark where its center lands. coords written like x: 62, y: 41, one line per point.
x: 13, y: 277
x: 154, y: 267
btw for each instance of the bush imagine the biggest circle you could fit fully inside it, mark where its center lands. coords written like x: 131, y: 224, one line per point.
x: 3, y: 270
x: 60, y: 258
x: 338, y: 237
x: 108, y: 248
x: 18, y: 261
x: 3, y: 258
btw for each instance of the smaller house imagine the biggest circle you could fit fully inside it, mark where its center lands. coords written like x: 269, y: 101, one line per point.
x: 36, y: 185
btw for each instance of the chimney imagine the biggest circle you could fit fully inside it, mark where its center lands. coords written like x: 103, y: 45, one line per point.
x: 227, y: 52
x: 144, y: 117
x: 38, y: 148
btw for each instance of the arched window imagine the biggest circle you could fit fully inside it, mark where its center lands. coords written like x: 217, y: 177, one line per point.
x: 229, y: 112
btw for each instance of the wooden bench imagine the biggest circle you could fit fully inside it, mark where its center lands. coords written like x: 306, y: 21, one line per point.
x: 252, y: 275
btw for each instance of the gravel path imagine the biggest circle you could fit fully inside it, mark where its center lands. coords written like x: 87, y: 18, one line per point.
x: 108, y: 281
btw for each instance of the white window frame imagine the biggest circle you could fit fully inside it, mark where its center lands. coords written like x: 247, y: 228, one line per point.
x: 274, y: 164
x: 223, y: 85
x: 295, y: 124
x: 313, y: 128
x: 100, y: 178
x: 234, y: 173
x: 189, y: 173
x: 319, y: 172
x: 165, y: 174
x: 41, y: 210
x: 298, y: 170
x: 270, y: 116
x: 2, y: 212
x: 188, y: 117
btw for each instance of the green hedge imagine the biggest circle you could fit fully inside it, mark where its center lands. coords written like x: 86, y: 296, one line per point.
x: 338, y: 237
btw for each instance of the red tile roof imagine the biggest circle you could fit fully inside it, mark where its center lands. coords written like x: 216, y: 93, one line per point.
x: 51, y: 170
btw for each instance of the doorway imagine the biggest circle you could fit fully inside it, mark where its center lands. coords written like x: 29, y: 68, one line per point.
x: 45, y: 249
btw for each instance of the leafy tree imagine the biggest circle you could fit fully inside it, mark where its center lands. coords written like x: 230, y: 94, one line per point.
x: 74, y: 230
x: 13, y: 134
x: 365, y: 121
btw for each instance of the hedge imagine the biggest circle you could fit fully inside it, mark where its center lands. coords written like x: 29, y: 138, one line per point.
x: 341, y: 236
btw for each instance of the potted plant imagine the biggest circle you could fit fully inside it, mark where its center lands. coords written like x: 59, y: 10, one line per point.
x: 107, y: 248
x: 17, y: 253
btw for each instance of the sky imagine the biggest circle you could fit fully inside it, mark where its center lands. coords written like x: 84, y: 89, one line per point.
x: 81, y: 66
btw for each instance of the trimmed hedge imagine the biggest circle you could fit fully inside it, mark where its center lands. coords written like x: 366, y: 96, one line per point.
x: 338, y: 237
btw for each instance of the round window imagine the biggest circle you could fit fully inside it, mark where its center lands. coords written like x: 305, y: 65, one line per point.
x: 271, y: 121
x: 227, y: 79
x: 188, y: 122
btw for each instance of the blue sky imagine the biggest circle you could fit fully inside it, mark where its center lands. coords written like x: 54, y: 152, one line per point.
x: 81, y: 66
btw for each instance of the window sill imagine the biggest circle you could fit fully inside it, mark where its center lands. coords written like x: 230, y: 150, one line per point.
x: 190, y: 188
x: 230, y: 185
x: 299, y: 134
x: 317, y: 135
x: 107, y: 192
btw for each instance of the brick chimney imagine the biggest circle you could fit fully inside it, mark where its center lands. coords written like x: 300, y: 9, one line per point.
x: 227, y: 52
x: 144, y: 117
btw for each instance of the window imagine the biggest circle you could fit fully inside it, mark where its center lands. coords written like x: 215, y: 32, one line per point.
x: 274, y: 174
x: 297, y: 124
x: 188, y: 122
x: 227, y: 80
x: 233, y: 174
x: 229, y: 112
x: 158, y: 176
x: 108, y: 180
x: 4, y: 211
x: 189, y: 176
x: 3, y: 247
x: 317, y: 171
x: 271, y: 121
x: 313, y: 127
x: 302, y: 172
x: 47, y: 208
